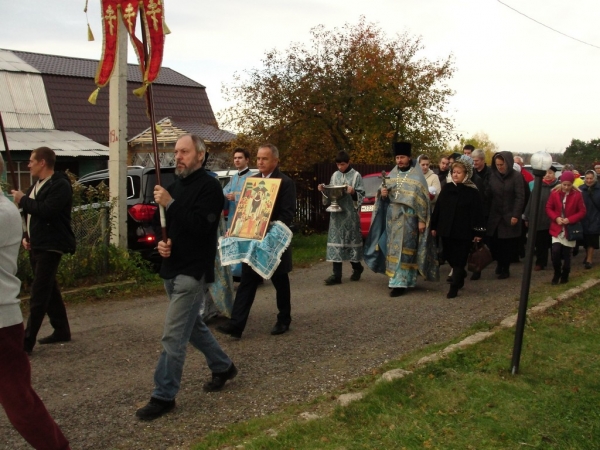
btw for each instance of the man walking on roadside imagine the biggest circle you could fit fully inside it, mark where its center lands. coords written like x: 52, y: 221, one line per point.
x: 233, y: 191
x: 402, y: 214
x: 344, y: 241
x: 267, y: 161
x: 22, y: 405
x: 47, y: 206
x: 193, y: 205
x: 443, y: 170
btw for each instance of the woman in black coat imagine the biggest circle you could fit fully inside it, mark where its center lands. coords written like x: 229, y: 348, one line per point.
x: 458, y: 219
x: 506, y: 195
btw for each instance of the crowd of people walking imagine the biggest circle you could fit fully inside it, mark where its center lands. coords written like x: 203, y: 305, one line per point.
x: 467, y: 202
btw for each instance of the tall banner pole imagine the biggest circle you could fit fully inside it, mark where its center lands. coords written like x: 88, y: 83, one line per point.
x: 150, y: 104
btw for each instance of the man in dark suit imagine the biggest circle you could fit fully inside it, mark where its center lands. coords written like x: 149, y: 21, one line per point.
x: 47, y: 205
x: 267, y: 160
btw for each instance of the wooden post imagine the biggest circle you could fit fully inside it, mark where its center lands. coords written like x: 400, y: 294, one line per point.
x: 117, y: 162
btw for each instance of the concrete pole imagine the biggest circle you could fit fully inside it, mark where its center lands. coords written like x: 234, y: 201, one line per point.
x: 117, y: 138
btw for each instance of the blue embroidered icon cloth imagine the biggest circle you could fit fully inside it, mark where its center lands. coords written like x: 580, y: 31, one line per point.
x: 263, y: 256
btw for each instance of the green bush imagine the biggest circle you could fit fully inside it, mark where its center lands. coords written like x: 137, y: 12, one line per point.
x: 95, y: 260
x: 91, y: 265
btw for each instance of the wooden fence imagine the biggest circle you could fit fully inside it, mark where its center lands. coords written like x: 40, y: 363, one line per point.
x: 310, y: 212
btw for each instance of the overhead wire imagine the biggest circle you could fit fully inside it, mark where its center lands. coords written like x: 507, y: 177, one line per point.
x: 544, y: 25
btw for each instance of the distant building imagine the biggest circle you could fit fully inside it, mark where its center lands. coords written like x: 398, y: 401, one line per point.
x: 29, y: 124
x: 50, y: 93
x: 140, y: 146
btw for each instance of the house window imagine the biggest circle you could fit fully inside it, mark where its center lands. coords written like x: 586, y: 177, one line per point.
x: 23, y: 174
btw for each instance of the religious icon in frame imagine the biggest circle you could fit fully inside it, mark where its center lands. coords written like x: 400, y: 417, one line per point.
x: 255, y: 207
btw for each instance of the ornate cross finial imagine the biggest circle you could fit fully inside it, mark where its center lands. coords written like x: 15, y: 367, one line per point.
x: 153, y: 10
x: 130, y: 13
x: 110, y: 17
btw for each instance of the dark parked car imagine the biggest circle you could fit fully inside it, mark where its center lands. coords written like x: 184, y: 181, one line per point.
x: 372, y: 183
x: 140, y: 205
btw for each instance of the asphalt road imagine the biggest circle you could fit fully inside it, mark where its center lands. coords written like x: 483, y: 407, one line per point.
x: 93, y: 385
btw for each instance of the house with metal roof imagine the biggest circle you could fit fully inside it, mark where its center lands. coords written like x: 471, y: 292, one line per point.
x: 67, y: 82
x: 28, y: 123
x: 141, y: 149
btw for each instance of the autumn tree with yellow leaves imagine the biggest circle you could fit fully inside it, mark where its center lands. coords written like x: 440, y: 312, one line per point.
x: 352, y: 89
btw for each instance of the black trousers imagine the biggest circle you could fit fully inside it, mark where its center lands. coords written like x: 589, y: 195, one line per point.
x: 503, y: 250
x: 561, y: 252
x: 543, y: 243
x: 45, y: 297
x: 337, y: 268
x: 247, y: 291
x: 457, y: 253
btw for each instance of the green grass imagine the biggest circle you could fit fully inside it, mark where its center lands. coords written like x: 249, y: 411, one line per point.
x: 469, y: 400
x: 308, y: 249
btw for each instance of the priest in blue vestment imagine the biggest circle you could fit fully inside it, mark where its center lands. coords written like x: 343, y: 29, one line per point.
x: 398, y: 243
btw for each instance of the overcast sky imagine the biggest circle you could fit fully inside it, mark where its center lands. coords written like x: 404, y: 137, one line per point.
x: 528, y: 87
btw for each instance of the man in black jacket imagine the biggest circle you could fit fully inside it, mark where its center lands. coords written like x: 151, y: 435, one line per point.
x: 284, y: 210
x: 47, y: 206
x: 193, y: 205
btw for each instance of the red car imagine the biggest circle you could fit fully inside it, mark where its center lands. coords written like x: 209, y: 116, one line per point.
x: 372, y: 183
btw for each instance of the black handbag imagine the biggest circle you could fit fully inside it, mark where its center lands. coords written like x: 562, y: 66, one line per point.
x: 479, y: 257
x: 574, y: 231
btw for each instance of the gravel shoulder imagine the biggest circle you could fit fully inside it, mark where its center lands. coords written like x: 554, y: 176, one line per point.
x: 93, y: 385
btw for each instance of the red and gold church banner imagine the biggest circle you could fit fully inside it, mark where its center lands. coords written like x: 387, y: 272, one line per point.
x: 151, y: 15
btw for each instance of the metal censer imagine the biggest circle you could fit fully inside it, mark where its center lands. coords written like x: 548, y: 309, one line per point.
x: 334, y: 193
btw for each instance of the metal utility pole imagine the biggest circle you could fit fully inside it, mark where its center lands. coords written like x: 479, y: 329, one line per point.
x: 117, y: 138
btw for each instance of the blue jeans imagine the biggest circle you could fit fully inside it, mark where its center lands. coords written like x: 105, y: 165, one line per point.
x: 183, y: 324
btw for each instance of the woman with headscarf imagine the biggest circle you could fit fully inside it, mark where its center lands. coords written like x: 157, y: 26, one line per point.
x: 458, y: 219
x: 506, y: 194
x: 565, y: 206
x: 591, y: 222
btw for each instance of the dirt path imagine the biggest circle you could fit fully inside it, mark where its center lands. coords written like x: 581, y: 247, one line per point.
x: 94, y: 384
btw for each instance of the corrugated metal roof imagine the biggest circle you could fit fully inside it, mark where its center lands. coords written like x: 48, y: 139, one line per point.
x: 12, y: 63
x: 64, y: 143
x: 23, y: 101
x: 86, y: 68
x: 172, y: 129
x: 206, y: 132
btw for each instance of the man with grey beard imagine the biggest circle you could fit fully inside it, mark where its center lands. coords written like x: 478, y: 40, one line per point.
x: 193, y: 205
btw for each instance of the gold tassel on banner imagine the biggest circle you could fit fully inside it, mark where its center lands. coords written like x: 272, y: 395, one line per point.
x: 164, y: 24
x: 94, y: 96
x: 139, y: 92
x: 90, y: 34
x: 158, y: 129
